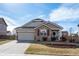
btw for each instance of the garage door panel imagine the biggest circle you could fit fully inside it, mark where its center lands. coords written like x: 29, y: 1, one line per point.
x: 26, y: 36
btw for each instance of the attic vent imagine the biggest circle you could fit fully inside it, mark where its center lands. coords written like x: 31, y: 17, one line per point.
x: 38, y: 19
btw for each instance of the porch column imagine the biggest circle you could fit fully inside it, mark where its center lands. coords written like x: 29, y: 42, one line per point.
x: 60, y: 34
x: 49, y: 35
x: 37, y: 35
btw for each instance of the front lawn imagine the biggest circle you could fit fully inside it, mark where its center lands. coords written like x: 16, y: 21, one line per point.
x: 5, y: 39
x: 2, y: 41
x: 46, y: 50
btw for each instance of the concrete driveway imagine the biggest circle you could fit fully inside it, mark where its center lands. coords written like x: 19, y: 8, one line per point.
x: 13, y: 48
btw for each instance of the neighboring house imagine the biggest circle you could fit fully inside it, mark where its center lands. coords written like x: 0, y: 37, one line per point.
x: 39, y: 30
x: 3, y: 27
x: 65, y: 33
x: 8, y: 33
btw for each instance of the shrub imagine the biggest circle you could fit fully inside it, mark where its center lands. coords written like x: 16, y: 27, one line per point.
x: 64, y: 38
x: 3, y: 36
x: 11, y: 37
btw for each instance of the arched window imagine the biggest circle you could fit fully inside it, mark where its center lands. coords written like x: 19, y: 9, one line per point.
x: 54, y: 33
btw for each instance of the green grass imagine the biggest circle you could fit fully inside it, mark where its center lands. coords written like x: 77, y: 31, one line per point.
x: 46, y: 50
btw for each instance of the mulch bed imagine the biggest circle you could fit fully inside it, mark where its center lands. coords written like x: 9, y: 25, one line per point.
x: 61, y: 45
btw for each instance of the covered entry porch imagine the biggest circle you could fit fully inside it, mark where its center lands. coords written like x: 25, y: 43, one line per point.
x: 47, y: 33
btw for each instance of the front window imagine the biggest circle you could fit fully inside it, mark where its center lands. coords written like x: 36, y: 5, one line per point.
x: 43, y: 32
x: 54, y: 33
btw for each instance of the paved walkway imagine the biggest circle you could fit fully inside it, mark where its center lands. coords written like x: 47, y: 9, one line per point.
x: 13, y: 48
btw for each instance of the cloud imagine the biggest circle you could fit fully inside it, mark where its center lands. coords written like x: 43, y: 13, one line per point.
x: 10, y: 22
x: 41, y: 16
x: 65, y: 12
x: 67, y: 15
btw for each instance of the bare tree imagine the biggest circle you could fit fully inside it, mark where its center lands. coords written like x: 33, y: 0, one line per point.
x: 70, y: 31
x: 78, y: 29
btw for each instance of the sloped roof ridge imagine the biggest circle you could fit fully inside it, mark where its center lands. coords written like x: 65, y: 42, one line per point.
x: 45, y: 22
x: 52, y: 23
x: 1, y: 18
x: 34, y: 20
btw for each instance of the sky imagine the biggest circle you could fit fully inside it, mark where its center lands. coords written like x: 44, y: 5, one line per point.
x: 64, y: 14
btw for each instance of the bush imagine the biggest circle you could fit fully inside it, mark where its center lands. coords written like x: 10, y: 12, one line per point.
x: 63, y: 38
x: 72, y: 40
x: 3, y: 36
x: 12, y: 37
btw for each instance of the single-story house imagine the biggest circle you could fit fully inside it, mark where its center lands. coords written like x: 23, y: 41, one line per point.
x: 39, y: 30
x: 3, y: 27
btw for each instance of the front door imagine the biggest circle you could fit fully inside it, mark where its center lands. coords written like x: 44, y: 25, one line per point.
x: 43, y: 34
x: 53, y: 37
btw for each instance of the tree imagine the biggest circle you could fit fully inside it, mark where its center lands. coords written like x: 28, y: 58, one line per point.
x: 78, y: 25
x: 71, y: 31
x: 78, y: 29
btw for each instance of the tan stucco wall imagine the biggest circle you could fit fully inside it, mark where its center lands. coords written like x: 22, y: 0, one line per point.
x: 58, y: 33
x: 31, y: 30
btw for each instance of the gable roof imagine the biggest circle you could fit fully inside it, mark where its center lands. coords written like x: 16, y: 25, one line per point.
x: 36, y: 22
x: 48, y: 26
x: 2, y: 21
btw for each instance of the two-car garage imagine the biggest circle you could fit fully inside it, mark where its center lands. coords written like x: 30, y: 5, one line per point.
x: 25, y: 35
